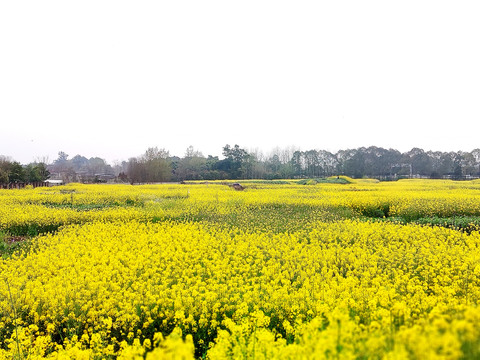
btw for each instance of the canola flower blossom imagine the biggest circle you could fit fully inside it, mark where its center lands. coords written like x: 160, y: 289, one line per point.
x: 156, y: 272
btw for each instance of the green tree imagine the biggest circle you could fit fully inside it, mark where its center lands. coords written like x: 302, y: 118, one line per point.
x: 234, y: 159
x: 35, y: 172
x: 31, y: 173
x: 3, y: 176
x: 16, y: 172
x: 328, y: 162
x: 297, y: 162
x: 42, y: 171
x: 4, y: 169
x: 420, y: 161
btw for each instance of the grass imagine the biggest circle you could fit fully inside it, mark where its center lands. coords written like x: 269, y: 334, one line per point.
x: 99, y: 206
x: 10, y: 245
x: 329, y: 180
x: 465, y: 223
x: 462, y: 223
x: 278, y: 218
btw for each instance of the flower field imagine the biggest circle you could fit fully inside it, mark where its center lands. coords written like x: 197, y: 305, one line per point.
x: 360, y: 270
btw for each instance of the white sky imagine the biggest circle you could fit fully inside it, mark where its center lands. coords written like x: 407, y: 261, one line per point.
x: 112, y: 78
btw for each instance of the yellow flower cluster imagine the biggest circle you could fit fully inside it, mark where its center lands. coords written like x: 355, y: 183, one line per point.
x: 175, y: 271
x: 349, y: 288
x: 45, y: 209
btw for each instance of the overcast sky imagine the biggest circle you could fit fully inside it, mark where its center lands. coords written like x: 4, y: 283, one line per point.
x: 112, y: 78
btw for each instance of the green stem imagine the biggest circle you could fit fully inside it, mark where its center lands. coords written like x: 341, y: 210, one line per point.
x: 15, y: 319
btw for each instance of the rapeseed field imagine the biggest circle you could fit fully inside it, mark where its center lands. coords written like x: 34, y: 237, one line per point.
x: 290, y: 270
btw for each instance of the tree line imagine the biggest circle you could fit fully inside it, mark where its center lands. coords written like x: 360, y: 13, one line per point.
x: 157, y: 165
x: 288, y: 163
x: 14, y: 172
x: 238, y: 163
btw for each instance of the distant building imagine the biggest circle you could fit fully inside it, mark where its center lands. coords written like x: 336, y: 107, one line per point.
x: 54, y: 182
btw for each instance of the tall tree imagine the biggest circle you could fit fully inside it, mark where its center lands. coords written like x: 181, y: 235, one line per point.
x: 234, y: 158
x: 192, y: 167
x: 420, y: 162
x: 152, y: 166
x: 16, y: 172
x: 157, y: 166
x: 297, y: 163
x: 476, y: 155
x: 328, y: 162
